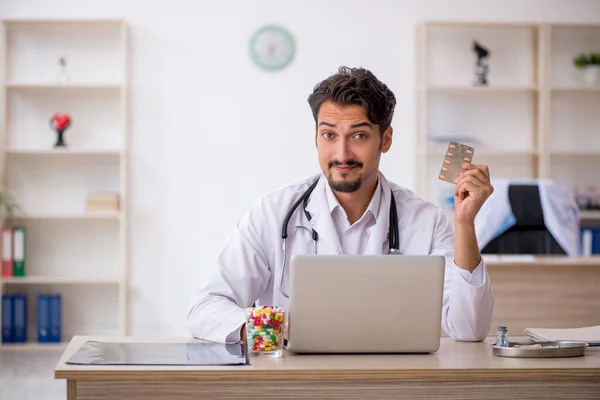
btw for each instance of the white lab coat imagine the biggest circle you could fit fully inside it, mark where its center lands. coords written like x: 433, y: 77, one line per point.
x: 561, y: 213
x: 248, y: 267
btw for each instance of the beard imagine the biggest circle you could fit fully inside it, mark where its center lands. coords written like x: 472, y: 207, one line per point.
x: 344, y: 186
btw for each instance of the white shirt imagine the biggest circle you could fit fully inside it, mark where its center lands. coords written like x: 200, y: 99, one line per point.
x: 249, y: 268
x: 354, y: 238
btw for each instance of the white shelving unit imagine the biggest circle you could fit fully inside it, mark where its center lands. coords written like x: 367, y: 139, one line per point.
x: 81, y: 254
x: 535, y: 119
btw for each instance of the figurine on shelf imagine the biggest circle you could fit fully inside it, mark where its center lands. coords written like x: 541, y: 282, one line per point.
x: 481, y: 66
x: 60, y: 123
x: 63, y: 74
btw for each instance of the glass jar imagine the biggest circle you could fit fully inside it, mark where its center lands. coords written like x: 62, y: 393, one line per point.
x: 265, y: 330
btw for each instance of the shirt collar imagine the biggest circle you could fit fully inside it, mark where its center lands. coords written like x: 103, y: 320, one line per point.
x: 373, y: 207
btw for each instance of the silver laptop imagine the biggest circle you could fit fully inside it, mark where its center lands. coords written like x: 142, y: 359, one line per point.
x: 365, y: 304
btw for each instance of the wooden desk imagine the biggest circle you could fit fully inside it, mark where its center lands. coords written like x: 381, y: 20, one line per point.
x: 550, y: 292
x: 457, y: 370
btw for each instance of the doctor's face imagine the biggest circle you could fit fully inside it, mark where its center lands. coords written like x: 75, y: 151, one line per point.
x: 349, y: 146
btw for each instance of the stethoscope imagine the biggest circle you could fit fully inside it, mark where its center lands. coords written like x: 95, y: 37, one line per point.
x: 393, y: 234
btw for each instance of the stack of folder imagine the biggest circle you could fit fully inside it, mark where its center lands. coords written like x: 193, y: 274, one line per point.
x: 14, y: 318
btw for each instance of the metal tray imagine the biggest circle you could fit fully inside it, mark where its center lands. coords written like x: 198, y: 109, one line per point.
x: 561, y: 348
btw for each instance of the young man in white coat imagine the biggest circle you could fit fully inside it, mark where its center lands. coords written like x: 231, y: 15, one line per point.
x: 349, y: 209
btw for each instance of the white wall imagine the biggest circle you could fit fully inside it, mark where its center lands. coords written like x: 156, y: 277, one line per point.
x: 210, y: 132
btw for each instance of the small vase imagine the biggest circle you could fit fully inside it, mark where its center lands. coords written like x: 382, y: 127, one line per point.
x: 591, y: 75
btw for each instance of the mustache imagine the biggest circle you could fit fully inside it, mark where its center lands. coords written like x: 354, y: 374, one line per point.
x: 349, y: 163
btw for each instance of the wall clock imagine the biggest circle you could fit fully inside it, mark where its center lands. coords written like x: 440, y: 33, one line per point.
x: 272, y: 47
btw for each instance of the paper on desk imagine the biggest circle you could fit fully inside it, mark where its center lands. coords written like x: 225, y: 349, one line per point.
x: 590, y: 334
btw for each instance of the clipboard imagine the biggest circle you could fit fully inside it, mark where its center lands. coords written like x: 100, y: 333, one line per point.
x: 197, y: 353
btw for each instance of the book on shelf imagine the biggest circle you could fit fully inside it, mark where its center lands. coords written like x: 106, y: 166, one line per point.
x: 102, y: 202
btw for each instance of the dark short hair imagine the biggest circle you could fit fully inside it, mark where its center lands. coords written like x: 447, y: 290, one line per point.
x: 356, y: 86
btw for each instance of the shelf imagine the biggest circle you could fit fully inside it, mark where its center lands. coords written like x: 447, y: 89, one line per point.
x: 34, y: 346
x: 101, y: 215
x: 96, y: 111
x: 566, y: 42
x: 536, y: 102
x: 480, y: 89
x: 60, y: 280
x: 440, y: 151
x: 574, y: 25
x: 77, y: 67
x: 64, y: 184
x: 574, y: 120
x: 575, y: 152
x: 449, y: 60
x: 482, y: 24
x: 535, y: 260
x: 575, y: 88
x: 67, y: 86
x: 583, y: 215
x: 63, y: 152
x: 63, y: 22
x: 590, y: 214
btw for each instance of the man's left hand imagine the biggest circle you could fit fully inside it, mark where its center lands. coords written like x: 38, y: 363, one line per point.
x: 472, y: 189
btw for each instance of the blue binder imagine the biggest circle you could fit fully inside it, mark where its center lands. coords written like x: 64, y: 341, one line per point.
x: 596, y: 241
x: 43, y: 318
x: 55, y: 317
x: 595, y: 245
x: 7, y: 319
x: 20, y: 318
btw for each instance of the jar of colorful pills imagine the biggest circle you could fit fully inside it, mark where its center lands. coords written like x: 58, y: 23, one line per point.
x: 265, y: 329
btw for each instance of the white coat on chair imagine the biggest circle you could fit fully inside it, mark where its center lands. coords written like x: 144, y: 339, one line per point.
x: 561, y: 213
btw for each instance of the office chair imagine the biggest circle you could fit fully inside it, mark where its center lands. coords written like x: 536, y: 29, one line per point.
x: 529, y: 234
